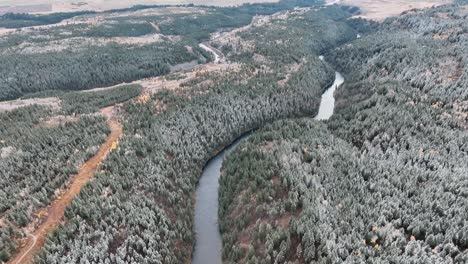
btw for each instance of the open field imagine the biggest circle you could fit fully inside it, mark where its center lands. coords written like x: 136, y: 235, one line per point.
x: 380, y: 9
x: 48, y: 6
x: 25, y: 8
x: 14, y: 104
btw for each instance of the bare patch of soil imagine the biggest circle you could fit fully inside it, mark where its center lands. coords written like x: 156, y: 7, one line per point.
x: 463, y: 10
x: 290, y: 70
x: 25, y: 8
x: 108, y: 112
x: 380, y: 9
x: 97, y: 19
x: 450, y: 69
x: 6, y: 30
x: 152, y: 85
x: 238, y: 45
x: 460, y: 111
x: 81, y: 43
x: 450, y: 32
x: 155, y: 26
x: 58, y: 120
x: 53, y: 102
x: 103, y: 5
x: 440, y: 36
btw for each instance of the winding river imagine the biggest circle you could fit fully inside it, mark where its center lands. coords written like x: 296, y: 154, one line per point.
x: 208, y: 238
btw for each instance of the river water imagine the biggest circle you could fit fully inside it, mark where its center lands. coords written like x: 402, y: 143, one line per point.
x: 208, y: 239
x: 327, y: 104
x: 209, y: 244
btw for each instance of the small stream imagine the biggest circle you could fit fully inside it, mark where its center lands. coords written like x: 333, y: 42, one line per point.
x: 208, y: 238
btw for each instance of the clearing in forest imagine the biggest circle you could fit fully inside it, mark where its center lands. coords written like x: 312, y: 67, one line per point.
x: 47, y: 6
x: 52, y: 102
x: 380, y: 9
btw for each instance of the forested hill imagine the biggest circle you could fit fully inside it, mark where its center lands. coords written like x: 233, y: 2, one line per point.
x: 140, y: 207
x: 20, y: 20
x: 385, y: 180
x: 103, y: 49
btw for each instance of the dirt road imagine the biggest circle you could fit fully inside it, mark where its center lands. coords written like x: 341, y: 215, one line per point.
x: 218, y: 55
x: 55, y: 211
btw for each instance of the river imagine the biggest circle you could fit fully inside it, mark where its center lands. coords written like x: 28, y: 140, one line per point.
x: 208, y: 246
x: 327, y: 103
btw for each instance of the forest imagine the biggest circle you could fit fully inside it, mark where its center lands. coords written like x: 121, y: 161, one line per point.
x: 15, y: 20
x: 384, y: 181
x: 91, y: 101
x: 245, y: 11
x: 144, y: 190
x: 37, y: 159
x: 60, y: 61
x: 85, y: 69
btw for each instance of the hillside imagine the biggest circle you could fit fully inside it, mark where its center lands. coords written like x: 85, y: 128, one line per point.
x: 385, y: 179
x: 112, y: 118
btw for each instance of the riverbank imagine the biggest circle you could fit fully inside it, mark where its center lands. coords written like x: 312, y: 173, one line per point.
x: 208, y: 248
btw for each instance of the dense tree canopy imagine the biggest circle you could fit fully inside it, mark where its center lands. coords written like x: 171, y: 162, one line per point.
x: 85, y: 69
x: 145, y: 188
x: 384, y: 181
x: 37, y: 158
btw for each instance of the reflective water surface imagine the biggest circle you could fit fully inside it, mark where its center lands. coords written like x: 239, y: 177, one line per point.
x: 209, y: 244
x: 327, y: 104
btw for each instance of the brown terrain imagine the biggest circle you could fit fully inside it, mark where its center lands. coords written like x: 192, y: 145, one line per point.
x: 25, y: 8
x: 52, y: 216
x: 97, y: 19
x: 150, y: 85
x: 52, y: 102
x: 47, y: 6
x: 380, y: 9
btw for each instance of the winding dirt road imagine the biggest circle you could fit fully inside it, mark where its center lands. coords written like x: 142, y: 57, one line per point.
x: 55, y: 211
x: 218, y: 55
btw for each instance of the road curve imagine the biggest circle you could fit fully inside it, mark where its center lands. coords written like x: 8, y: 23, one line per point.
x: 31, y: 241
x: 218, y: 55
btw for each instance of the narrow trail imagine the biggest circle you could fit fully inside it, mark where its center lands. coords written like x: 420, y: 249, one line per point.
x: 55, y: 211
x: 31, y: 242
x: 218, y: 55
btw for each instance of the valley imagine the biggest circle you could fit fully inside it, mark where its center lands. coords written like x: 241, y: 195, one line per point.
x: 282, y: 132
